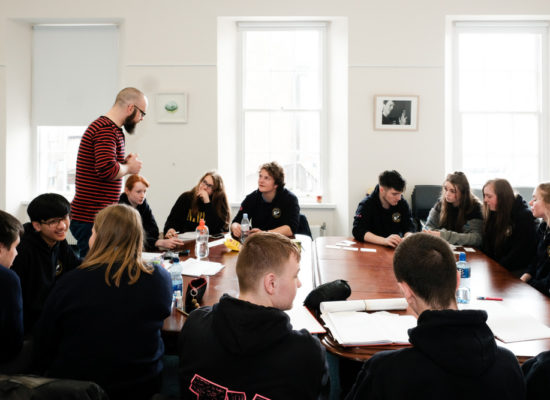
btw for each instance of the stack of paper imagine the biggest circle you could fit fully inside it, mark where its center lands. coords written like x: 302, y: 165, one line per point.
x: 364, y: 305
x: 187, y: 236
x: 194, y: 267
x: 508, y: 324
x: 301, y: 318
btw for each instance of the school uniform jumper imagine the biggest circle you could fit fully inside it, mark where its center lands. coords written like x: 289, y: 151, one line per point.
x: 283, y: 210
x: 106, y: 334
x: 239, y: 347
x: 150, y: 227
x: 467, y: 235
x: 39, y: 267
x: 372, y: 217
x: 453, y: 356
x: 183, y: 220
x: 519, y: 247
x: 11, y: 315
x: 539, y: 269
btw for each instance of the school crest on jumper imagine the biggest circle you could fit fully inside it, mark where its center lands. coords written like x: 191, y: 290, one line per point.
x: 276, y: 213
x: 396, y: 217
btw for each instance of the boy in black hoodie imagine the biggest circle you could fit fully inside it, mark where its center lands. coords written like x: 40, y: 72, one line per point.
x: 453, y: 353
x: 246, y: 344
x: 43, y: 254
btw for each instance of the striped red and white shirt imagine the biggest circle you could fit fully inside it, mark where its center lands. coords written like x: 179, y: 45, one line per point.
x: 97, y: 165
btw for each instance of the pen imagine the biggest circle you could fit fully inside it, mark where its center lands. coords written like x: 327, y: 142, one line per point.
x: 489, y: 298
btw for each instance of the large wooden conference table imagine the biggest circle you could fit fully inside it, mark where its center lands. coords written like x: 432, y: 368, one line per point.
x: 370, y: 275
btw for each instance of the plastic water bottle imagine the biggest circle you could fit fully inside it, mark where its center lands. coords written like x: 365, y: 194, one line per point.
x: 177, y: 281
x: 245, y: 227
x: 463, y: 291
x: 201, y: 243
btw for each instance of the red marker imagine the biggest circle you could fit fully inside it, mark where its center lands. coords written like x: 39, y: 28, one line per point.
x: 490, y: 298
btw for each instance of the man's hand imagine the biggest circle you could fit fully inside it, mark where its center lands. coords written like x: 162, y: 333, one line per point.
x: 133, y: 163
x: 171, y: 233
x: 236, y: 229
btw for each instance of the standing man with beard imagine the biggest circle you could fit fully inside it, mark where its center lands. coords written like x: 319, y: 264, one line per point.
x: 101, y: 162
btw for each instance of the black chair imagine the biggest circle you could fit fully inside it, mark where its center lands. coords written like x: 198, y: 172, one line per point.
x: 303, y: 227
x: 423, y: 199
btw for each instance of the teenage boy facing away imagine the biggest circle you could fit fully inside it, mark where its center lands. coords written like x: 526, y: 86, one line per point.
x: 246, y: 344
x: 453, y: 353
x: 44, y: 254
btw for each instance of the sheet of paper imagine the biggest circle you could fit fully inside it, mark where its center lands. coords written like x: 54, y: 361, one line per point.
x: 345, y: 243
x: 361, y: 305
x: 216, y: 242
x: 301, y: 318
x: 470, y: 249
x: 351, y: 248
x: 150, y: 257
x: 194, y: 267
x: 187, y: 236
x: 367, y: 250
x: 332, y: 246
x: 509, y: 324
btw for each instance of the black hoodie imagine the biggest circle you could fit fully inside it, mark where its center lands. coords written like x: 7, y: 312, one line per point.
x: 38, y: 266
x: 519, y: 247
x: 237, y: 346
x: 453, y: 356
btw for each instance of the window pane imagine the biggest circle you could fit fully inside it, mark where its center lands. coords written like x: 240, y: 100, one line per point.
x: 57, y: 151
x: 500, y: 146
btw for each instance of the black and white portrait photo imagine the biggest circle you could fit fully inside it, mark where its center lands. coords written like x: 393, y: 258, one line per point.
x: 396, y: 112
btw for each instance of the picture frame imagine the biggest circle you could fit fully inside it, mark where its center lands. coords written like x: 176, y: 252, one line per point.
x: 395, y: 113
x: 171, y: 108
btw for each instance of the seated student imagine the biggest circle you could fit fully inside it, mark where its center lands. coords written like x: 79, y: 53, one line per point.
x: 43, y: 254
x: 457, y: 216
x: 538, y: 273
x: 536, y: 371
x: 102, y: 321
x: 509, y: 230
x: 453, y: 353
x: 246, y: 345
x: 384, y: 216
x: 135, y: 190
x: 11, y: 301
x: 207, y: 200
x: 271, y: 207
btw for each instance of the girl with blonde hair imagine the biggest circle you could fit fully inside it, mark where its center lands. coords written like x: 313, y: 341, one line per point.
x: 538, y: 273
x: 102, y: 321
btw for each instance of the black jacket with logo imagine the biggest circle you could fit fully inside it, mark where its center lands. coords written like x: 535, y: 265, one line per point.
x: 236, y: 346
x: 283, y: 210
x: 372, y: 217
x: 453, y: 356
x: 38, y: 267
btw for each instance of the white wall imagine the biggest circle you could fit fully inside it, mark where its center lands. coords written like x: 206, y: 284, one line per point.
x: 171, y: 45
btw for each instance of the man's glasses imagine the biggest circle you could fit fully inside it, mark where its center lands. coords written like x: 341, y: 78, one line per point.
x: 209, y: 186
x: 54, y: 222
x: 142, y: 112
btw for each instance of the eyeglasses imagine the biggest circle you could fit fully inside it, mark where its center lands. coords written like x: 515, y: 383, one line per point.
x: 209, y: 186
x: 54, y: 222
x: 142, y: 112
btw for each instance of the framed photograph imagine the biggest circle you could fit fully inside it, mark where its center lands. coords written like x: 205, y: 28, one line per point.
x: 396, y: 113
x: 171, y: 108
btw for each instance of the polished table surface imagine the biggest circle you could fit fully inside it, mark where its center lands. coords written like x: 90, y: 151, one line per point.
x: 370, y: 275
x: 226, y: 281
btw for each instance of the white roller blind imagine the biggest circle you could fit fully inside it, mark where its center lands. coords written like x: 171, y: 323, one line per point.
x: 75, y: 73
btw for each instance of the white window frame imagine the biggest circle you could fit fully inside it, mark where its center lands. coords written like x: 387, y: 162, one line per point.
x: 240, y: 145
x: 455, y: 138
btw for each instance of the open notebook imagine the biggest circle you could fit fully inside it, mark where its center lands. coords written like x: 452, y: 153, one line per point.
x: 351, y: 325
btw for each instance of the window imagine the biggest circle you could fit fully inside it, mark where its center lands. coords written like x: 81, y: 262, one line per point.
x: 58, y: 147
x: 74, y: 80
x: 500, y: 101
x: 282, y: 103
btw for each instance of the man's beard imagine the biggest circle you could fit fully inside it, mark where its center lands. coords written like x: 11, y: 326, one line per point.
x: 129, y: 124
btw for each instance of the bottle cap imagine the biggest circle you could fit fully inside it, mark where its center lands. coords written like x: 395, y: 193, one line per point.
x: 201, y: 222
x: 461, y: 256
x: 245, y: 215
